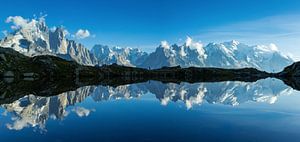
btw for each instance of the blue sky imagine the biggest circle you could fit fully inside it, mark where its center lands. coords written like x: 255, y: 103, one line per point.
x: 144, y: 23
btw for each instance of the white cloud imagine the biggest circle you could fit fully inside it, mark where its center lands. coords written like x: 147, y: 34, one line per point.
x: 66, y: 32
x: 52, y: 29
x: 17, y: 20
x: 195, y: 45
x: 17, y: 125
x: 80, y: 111
x: 24, y: 122
x: 82, y: 34
x: 20, y: 22
x: 165, y: 44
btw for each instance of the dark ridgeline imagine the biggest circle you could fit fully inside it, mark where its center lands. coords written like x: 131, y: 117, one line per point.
x: 49, y: 75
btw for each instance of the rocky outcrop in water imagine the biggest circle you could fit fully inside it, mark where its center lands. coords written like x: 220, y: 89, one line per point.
x: 291, y: 75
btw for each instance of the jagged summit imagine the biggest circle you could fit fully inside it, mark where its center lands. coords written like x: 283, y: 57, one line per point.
x: 122, y: 56
x: 232, y: 54
x: 33, y: 37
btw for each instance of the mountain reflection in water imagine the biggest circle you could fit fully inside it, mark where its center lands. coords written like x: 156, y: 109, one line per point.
x: 35, y: 111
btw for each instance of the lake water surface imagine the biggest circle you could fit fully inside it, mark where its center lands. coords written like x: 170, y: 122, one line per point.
x: 266, y: 110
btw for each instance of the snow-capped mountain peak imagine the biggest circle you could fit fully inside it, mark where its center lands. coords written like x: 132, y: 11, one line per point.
x: 123, y: 56
x: 232, y: 44
x: 232, y: 54
x: 33, y: 37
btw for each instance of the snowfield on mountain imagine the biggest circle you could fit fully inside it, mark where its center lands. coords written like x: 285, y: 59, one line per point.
x: 35, y: 38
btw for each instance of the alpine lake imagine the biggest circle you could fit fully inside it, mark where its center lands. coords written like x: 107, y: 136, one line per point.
x: 264, y: 110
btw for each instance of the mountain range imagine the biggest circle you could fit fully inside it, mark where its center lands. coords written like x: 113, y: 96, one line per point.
x: 37, y: 39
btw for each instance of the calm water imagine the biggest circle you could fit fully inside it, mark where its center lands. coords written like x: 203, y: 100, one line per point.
x: 266, y: 110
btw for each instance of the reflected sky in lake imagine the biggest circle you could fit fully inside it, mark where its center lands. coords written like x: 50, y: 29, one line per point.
x: 266, y: 110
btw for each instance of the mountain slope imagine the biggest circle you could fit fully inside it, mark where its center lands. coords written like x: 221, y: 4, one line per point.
x: 122, y: 56
x: 36, y: 39
x: 224, y: 55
